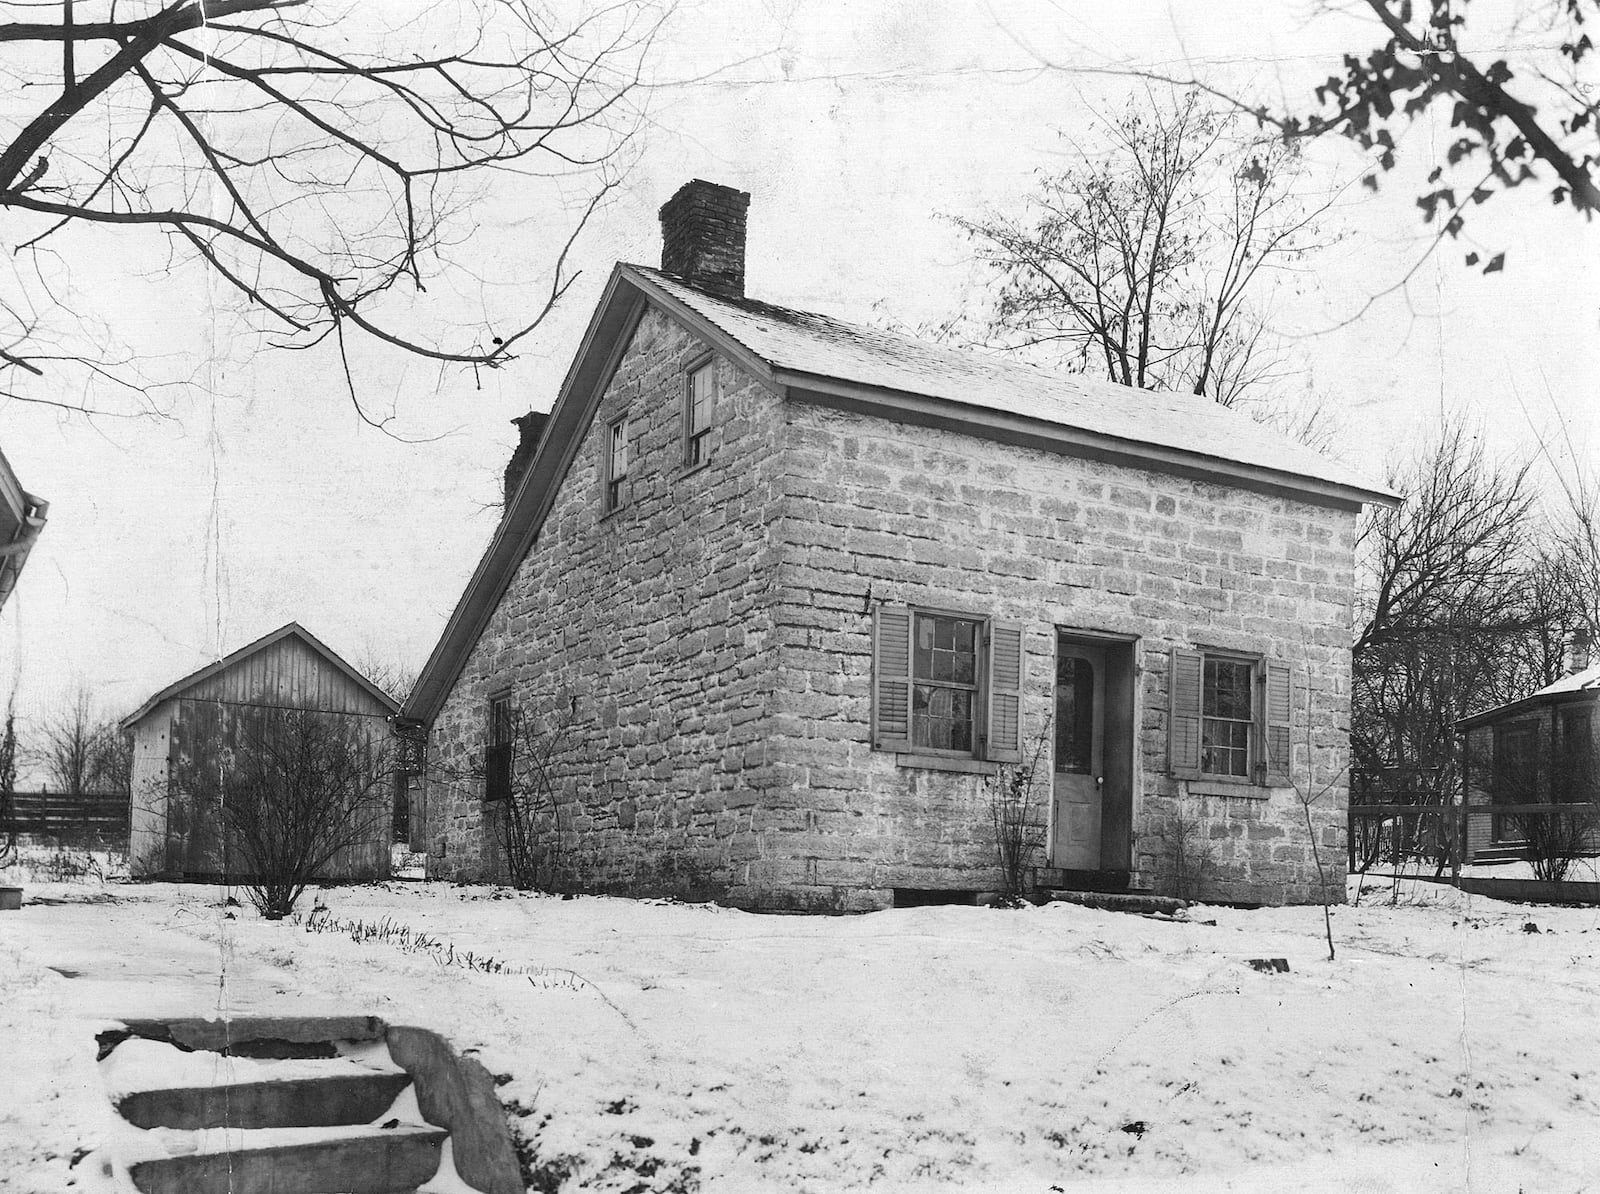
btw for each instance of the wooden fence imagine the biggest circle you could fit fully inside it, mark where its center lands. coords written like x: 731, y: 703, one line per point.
x: 1431, y: 832
x: 76, y: 820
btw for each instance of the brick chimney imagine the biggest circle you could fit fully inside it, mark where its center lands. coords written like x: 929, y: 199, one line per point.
x: 1578, y: 652
x: 702, y: 237
x: 530, y: 427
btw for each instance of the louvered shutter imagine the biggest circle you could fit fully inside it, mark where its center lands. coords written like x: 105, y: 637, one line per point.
x: 1183, y: 719
x: 1276, y: 717
x: 891, y: 678
x: 1003, y: 724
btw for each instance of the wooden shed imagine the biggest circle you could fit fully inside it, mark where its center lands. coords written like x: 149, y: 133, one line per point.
x: 199, y: 725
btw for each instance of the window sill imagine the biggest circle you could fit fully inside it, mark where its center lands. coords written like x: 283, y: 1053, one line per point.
x: 946, y: 763
x: 608, y: 515
x: 690, y: 470
x: 1239, y: 789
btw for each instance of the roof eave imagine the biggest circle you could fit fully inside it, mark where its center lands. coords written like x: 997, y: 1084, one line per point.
x: 178, y: 687
x: 609, y: 329
x: 1527, y: 704
x: 1025, y: 429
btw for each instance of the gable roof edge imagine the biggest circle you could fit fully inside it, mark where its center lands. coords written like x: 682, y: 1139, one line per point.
x: 1009, y: 426
x: 217, y: 666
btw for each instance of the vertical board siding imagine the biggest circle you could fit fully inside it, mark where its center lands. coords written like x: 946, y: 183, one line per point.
x: 287, y: 674
x: 200, y: 727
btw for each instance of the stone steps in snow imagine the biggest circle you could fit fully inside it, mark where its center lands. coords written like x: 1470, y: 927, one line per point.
x: 365, y: 1159
x: 161, y: 1084
x: 331, y: 1105
x: 1121, y: 902
x: 338, y: 1098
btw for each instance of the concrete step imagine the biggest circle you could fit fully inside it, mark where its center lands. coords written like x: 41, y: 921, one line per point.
x: 308, y: 1102
x: 342, y: 1160
x: 1121, y: 902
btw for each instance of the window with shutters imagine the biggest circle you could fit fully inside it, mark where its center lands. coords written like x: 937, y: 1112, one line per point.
x: 1230, y: 718
x: 946, y: 684
x: 699, y: 410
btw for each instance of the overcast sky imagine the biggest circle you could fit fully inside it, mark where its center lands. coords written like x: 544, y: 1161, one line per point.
x: 854, y: 127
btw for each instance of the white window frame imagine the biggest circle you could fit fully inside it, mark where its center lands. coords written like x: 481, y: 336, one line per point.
x: 617, y: 491
x: 699, y: 443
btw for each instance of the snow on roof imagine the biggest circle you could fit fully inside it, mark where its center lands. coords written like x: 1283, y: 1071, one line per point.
x: 1585, y: 680
x: 804, y: 342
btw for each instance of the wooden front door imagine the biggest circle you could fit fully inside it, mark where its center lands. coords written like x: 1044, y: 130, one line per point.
x: 1078, y: 789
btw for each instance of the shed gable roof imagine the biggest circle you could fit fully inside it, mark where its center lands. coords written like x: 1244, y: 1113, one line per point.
x: 811, y: 357
x: 265, y: 642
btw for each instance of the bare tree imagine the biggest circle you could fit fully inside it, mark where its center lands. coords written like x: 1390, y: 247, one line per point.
x: 320, y: 180
x: 1140, y: 259
x: 83, y: 752
x: 1016, y: 794
x: 1454, y: 613
x: 297, y: 789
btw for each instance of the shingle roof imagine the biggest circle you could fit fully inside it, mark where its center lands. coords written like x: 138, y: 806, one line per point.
x: 803, y: 342
x: 813, y: 357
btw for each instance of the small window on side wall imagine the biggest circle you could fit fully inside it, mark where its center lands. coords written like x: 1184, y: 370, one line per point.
x: 946, y: 684
x: 617, y: 490
x: 699, y: 412
x: 498, y: 751
x: 1229, y: 718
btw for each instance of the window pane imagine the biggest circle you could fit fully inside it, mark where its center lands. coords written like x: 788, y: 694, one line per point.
x: 941, y: 718
x: 1074, y: 714
x: 619, y: 449
x: 944, y: 660
x: 1226, y: 691
x: 702, y: 394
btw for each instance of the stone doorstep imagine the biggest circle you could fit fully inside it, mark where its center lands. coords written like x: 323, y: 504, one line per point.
x: 1121, y: 902
x: 347, y: 1159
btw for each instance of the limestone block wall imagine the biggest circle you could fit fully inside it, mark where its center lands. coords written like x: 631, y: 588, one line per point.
x: 656, y: 621
x: 713, y: 639
x: 885, y: 512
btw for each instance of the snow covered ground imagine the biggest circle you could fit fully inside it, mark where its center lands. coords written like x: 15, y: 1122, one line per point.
x: 661, y: 1047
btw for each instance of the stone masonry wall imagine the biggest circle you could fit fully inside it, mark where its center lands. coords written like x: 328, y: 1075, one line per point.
x: 716, y: 637
x: 885, y: 512
x: 655, y: 619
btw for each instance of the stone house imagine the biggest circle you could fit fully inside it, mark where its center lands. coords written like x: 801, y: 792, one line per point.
x: 789, y: 599
x: 191, y: 730
x: 1542, y: 749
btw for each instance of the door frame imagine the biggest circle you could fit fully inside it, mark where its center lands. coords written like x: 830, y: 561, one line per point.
x: 1120, y: 739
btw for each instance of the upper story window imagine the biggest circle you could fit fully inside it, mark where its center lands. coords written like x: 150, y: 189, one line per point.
x: 499, y: 748
x: 617, y: 464
x: 699, y: 410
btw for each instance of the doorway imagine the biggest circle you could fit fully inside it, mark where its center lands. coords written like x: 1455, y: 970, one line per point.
x: 1092, y: 782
